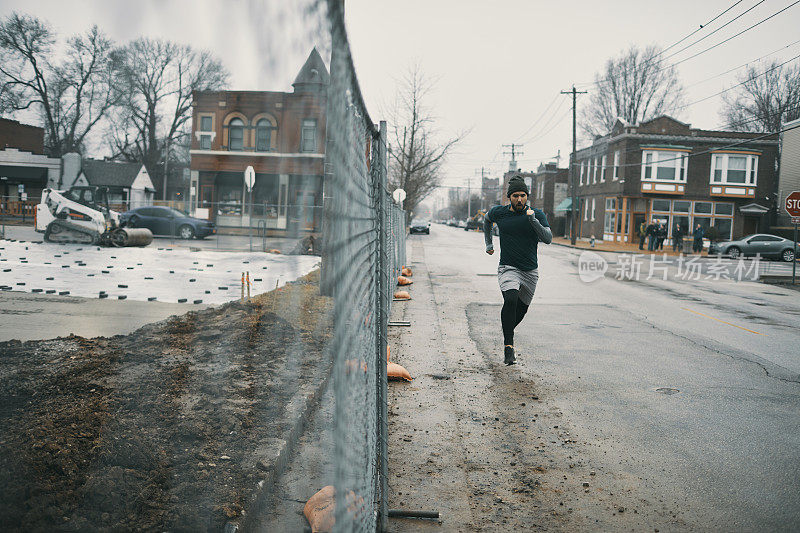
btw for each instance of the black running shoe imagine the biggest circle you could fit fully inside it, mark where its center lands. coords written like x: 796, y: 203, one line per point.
x: 510, y: 357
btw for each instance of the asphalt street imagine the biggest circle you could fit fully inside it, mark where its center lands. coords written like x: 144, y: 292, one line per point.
x: 681, y: 394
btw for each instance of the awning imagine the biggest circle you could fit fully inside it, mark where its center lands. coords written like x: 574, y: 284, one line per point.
x: 564, y: 205
x: 753, y: 209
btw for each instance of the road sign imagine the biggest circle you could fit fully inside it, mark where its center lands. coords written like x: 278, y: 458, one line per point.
x: 792, y: 204
x: 249, y: 178
x: 795, y: 220
x: 399, y: 195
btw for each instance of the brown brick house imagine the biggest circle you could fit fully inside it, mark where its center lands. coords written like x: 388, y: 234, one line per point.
x: 666, y: 170
x: 280, y: 134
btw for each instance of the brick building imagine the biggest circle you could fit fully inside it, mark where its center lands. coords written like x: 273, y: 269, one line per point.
x: 280, y: 134
x: 548, y: 191
x: 666, y: 170
x: 25, y: 169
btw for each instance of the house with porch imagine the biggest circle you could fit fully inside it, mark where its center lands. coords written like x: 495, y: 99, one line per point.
x: 281, y: 135
x: 129, y: 185
x: 665, y: 170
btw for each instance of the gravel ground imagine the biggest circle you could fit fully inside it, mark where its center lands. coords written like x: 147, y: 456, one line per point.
x: 162, y: 429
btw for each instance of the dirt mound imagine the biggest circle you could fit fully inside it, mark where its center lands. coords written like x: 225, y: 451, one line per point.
x: 155, y: 430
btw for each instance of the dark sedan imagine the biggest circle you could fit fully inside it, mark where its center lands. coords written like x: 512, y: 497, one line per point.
x: 765, y: 245
x: 169, y: 221
x: 420, y: 226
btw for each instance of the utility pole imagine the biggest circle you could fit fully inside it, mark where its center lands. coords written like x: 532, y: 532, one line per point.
x: 469, y: 196
x: 482, y: 189
x: 573, y: 229
x: 512, y: 165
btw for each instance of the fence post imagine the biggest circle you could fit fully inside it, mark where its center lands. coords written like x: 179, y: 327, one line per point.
x: 383, y: 288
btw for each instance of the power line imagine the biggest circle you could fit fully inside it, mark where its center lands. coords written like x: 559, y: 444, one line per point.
x: 553, y: 101
x: 743, y: 64
x: 738, y: 34
x: 703, y: 26
x: 737, y: 17
x: 607, y: 80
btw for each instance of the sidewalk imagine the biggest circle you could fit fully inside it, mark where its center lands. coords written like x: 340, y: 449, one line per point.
x: 619, y: 247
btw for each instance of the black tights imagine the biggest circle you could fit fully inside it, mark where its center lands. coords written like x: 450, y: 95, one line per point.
x: 512, y: 314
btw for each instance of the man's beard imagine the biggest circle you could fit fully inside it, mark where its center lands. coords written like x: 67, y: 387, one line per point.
x: 518, y: 206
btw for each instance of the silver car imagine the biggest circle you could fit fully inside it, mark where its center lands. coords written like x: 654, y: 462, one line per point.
x: 766, y: 245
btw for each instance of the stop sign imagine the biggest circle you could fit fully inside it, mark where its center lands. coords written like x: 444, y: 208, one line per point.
x: 793, y: 204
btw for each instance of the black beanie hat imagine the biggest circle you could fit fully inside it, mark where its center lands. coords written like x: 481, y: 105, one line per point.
x: 516, y: 184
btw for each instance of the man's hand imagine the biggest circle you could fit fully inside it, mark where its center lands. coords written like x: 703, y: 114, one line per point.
x: 529, y: 212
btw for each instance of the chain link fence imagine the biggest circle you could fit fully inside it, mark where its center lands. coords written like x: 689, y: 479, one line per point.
x: 193, y: 420
x: 364, y: 251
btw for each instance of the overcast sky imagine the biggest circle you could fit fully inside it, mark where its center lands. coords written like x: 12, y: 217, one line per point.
x: 499, y: 65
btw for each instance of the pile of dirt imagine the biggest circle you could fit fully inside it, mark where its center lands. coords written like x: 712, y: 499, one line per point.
x: 156, y: 430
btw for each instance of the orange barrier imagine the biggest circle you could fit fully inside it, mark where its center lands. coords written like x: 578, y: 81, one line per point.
x: 397, y: 372
x: 407, y: 272
x: 402, y: 280
x: 402, y: 295
x: 273, y: 251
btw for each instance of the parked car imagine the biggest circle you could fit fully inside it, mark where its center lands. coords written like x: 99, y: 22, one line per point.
x: 420, y: 226
x: 169, y: 221
x: 462, y: 223
x: 770, y: 246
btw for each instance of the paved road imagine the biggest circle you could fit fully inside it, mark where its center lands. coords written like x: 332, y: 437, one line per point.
x: 682, y: 396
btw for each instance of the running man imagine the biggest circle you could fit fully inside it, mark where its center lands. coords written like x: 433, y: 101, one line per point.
x: 521, y: 229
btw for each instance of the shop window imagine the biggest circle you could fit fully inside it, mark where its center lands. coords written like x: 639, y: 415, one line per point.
x: 724, y: 227
x: 660, y: 205
x: 681, y: 206
x: 721, y: 208
x: 703, y: 207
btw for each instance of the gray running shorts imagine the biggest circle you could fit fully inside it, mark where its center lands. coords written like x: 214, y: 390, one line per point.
x: 523, y: 280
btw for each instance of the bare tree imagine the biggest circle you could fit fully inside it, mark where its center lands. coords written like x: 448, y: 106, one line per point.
x: 416, y: 155
x: 635, y: 86
x: 156, y: 83
x: 71, y: 96
x: 767, y: 96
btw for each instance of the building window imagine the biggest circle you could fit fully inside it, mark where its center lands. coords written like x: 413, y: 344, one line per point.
x: 660, y: 165
x: 724, y: 209
x: 206, y: 134
x: 264, y: 135
x: 616, y: 166
x: 236, y: 134
x: 594, y: 174
x: 603, y: 169
x: 585, y: 209
x: 660, y: 205
x: 703, y: 208
x: 308, y: 136
x: 593, y: 208
x: 734, y: 169
x: 610, y: 217
x: 583, y: 164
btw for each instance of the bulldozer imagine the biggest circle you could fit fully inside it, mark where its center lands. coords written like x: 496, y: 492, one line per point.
x: 82, y: 215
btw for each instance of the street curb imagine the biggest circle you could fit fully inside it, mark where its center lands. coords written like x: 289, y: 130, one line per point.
x: 279, y: 450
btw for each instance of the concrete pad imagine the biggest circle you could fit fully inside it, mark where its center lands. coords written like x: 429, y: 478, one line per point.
x: 164, y: 273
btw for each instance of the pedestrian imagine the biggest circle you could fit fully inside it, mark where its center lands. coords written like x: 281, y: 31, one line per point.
x: 642, y: 234
x: 697, y: 245
x: 677, y: 238
x: 521, y: 229
x: 652, y: 230
x: 661, y: 235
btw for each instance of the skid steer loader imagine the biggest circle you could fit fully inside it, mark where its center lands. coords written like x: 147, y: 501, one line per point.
x: 82, y: 215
